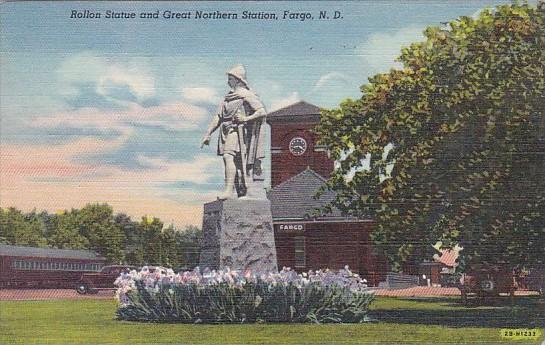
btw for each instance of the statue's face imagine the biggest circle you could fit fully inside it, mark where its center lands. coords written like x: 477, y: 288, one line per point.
x: 232, y: 81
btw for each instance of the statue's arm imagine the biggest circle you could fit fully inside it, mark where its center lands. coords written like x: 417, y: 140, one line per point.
x: 259, y: 113
x: 259, y: 109
x: 214, y: 124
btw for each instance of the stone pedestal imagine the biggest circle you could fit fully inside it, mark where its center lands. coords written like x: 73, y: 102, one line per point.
x: 238, y: 233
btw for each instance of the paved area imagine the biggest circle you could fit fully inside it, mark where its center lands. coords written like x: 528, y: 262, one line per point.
x: 419, y: 291
x: 46, y: 294
x: 51, y: 294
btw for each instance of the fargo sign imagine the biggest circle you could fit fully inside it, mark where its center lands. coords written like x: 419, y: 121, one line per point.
x: 291, y: 227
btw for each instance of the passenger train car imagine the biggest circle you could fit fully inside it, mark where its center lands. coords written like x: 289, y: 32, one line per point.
x: 28, y: 267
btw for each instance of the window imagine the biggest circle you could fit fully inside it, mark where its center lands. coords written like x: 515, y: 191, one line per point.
x: 300, y: 259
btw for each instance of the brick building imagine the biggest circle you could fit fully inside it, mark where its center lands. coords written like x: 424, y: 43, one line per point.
x: 306, y: 239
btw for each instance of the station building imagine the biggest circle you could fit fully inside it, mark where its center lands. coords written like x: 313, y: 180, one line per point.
x: 306, y: 239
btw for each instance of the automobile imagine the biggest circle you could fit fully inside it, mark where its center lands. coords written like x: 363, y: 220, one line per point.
x: 90, y: 283
x: 486, y: 281
x: 535, y: 280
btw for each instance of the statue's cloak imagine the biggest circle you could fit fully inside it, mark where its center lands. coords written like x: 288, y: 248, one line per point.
x: 244, y: 102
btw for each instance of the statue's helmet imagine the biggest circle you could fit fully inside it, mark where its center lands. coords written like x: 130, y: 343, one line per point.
x: 239, y: 72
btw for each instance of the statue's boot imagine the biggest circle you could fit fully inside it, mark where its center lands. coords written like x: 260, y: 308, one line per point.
x: 255, y: 190
x: 230, y: 172
x: 227, y: 192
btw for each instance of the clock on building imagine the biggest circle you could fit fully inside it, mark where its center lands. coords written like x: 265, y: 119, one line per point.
x: 298, y: 146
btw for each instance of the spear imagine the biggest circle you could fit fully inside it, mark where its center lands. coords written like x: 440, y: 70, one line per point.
x: 240, y: 128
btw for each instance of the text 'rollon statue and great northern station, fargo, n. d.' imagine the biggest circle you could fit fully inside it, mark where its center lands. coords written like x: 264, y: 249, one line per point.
x: 207, y: 15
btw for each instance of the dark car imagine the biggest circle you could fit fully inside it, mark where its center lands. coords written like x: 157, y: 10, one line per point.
x: 535, y: 280
x: 486, y: 282
x: 103, y: 280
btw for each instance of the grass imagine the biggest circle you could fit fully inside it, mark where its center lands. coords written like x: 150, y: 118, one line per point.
x: 401, y: 321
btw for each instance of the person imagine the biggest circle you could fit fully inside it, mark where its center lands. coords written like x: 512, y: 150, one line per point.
x: 240, y: 119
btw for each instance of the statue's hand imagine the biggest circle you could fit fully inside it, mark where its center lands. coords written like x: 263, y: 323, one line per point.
x: 241, y: 118
x: 205, y: 141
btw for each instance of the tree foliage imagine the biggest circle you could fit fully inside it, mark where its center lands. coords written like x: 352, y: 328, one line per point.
x: 95, y: 227
x: 16, y: 227
x: 466, y: 120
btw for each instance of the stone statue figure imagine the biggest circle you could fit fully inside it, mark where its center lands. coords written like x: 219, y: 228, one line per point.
x: 240, y: 119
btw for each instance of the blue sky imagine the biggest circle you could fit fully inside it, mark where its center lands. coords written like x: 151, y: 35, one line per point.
x: 104, y: 110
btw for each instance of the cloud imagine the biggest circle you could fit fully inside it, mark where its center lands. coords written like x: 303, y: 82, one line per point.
x: 36, y: 176
x: 326, y: 79
x: 171, y: 116
x: 118, y: 80
x: 200, y: 95
x: 285, y: 101
x: 380, y: 50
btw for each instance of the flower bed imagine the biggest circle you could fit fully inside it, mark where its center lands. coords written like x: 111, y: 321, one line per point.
x: 228, y: 296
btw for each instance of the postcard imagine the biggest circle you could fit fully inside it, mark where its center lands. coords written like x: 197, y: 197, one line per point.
x: 272, y: 172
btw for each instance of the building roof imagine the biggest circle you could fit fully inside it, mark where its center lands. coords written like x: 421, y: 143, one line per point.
x: 7, y: 250
x: 448, y: 257
x: 295, y: 198
x: 298, y: 109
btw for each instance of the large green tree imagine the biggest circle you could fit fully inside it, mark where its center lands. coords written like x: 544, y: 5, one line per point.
x: 66, y: 231
x: 17, y: 228
x: 189, y: 246
x: 96, y: 223
x: 455, y: 140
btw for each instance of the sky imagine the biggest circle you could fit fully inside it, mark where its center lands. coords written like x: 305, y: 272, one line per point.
x: 113, y: 110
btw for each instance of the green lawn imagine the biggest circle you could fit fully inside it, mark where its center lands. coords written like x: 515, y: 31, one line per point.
x: 401, y: 321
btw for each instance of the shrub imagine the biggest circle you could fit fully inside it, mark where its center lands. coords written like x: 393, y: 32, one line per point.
x: 229, y: 296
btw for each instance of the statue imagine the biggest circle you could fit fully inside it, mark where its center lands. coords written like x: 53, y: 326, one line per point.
x: 238, y: 230
x: 240, y: 119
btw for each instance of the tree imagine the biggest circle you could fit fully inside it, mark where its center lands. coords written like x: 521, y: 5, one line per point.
x: 188, y: 242
x: 151, y: 229
x: 96, y: 223
x: 169, y: 249
x: 17, y: 228
x: 66, y: 232
x: 133, y: 239
x: 465, y: 121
